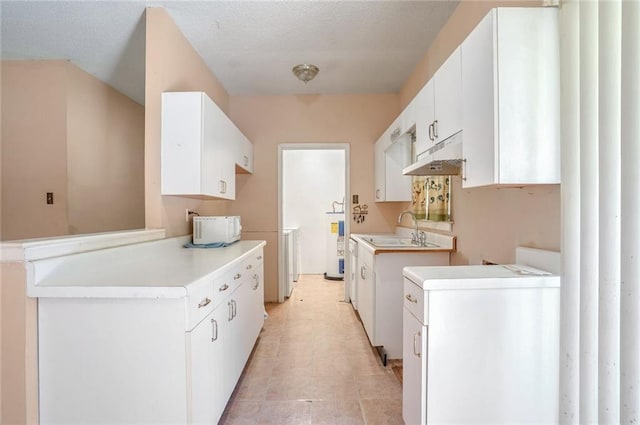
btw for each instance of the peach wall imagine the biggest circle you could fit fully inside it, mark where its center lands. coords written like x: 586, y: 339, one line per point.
x: 34, y: 158
x: 172, y: 65
x: 489, y: 222
x: 105, y: 156
x: 64, y: 131
x: 271, y: 120
x: 19, y: 385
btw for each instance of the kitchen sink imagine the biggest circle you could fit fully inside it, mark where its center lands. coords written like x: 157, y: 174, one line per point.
x: 388, y: 241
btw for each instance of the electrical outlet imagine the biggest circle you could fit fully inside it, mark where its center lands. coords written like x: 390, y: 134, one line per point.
x: 49, y: 198
x: 186, y: 215
x: 355, y: 199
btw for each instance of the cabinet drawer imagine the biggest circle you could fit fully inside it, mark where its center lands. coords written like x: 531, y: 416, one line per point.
x: 223, y: 286
x: 199, y: 303
x: 413, y: 299
x: 252, y: 263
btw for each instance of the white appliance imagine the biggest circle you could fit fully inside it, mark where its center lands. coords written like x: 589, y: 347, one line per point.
x: 335, y: 246
x: 288, y: 262
x: 481, y: 343
x: 216, y: 229
x: 295, y: 251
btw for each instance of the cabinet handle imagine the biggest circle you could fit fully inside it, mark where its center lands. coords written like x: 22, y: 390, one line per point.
x: 237, y: 276
x: 377, y: 193
x: 249, y: 266
x: 246, y: 160
x: 222, y: 186
x: 362, y: 272
x: 431, y: 132
x: 257, y: 279
x: 414, y: 344
x: 230, y: 317
x: 411, y: 299
x: 259, y: 257
x: 235, y: 311
x: 464, y: 170
x: 204, y: 303
x: 214, y: 330
x: 435, y: 129
x: 223, y: 288
x: 394, y: 134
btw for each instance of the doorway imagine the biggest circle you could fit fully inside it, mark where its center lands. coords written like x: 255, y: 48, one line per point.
x: 313, y: 183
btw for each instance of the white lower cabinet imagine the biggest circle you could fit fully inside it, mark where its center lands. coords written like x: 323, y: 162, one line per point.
x: 164, y: 360
x: 209, y: 385
x: 380, y: 293
x: 414, y: 356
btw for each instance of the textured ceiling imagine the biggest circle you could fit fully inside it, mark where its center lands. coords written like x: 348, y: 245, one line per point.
x: 251, y: 46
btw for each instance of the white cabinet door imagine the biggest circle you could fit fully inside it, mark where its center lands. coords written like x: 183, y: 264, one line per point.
x: 510, y: 80
x: 257, y: 301
x: 244, y: 154
x: 217, y: 178
x: 448, y: 98
x: 379, y: 171
x: 414, y: 369
x: 390, y: 184
x: 425, y: 116
x: 478, y: 111
x: 367, y: 292
x: 197, y: 157
x: 209, y: 391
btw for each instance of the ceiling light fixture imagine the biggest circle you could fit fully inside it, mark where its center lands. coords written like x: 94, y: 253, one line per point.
x: 305, y: 72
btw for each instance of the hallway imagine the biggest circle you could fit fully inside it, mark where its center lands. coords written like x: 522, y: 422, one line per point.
x: 313, y: 365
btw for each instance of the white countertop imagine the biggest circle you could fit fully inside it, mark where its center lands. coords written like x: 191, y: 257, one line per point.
x: 480, y: 277
x: 157, y: 269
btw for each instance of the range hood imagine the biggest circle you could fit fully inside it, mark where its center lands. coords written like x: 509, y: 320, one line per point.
x: 442, y: 159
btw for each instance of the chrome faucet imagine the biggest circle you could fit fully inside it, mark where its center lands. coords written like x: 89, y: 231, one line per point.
x: 415, y: 237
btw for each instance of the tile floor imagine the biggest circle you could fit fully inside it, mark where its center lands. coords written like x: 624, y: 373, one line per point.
x: 314, y: 365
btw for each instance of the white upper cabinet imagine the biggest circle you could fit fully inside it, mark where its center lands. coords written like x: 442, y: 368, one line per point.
x: 200, y: 148
x: 244, y: 156
x: 425, y: 116
x: 439, y: 105
x: 389, y: 160
x: 510, y: 81
x: 447, y: 95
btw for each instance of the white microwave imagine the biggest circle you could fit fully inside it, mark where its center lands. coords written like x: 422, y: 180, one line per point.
x: 216, y: 229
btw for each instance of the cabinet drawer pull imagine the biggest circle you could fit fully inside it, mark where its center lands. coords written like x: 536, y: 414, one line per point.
x: 411, y: 299
x: 237, y: 276
x: 204, y: 303
x: 214, y: 330
x: 223, y: 288
x: 259, y: 257
x: 414, y: 344
x: 249, y: 266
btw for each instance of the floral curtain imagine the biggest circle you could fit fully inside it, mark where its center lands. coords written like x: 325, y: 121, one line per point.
x: 430, y: 198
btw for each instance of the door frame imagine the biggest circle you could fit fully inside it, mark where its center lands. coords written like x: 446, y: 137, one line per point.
x: 347, y: 202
